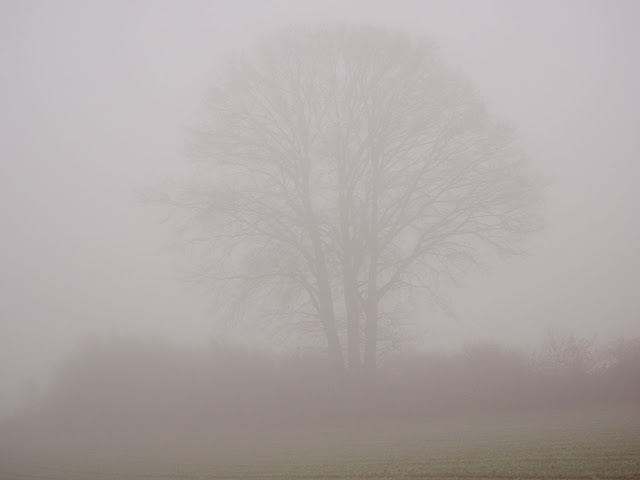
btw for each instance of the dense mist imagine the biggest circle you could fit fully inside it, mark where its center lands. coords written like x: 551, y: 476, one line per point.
x: 225, y: 218
x: 129, y: 387
x: 124, y: 404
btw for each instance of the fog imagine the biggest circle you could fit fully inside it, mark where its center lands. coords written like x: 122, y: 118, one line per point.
x: 96, y: 102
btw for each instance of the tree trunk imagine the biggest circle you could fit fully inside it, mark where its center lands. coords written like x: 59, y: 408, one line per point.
x: 353, y: 319
x: 371, y: 332
x: 334, y: 352
x: 327, y: 315
x: 372, y: 300
x: 326, y: 309
x: 349, y: 270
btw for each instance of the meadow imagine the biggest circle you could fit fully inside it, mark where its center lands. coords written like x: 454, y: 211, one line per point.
x: 594, y: 443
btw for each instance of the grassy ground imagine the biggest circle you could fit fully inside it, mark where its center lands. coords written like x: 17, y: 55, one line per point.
x: 588, y: 444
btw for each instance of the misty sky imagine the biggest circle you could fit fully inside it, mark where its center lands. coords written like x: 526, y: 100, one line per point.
x: 95, y: 98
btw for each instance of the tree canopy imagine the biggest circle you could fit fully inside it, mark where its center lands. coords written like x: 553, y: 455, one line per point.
x: 342, y: 171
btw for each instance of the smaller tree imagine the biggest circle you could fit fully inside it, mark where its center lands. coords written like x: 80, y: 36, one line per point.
x: 568, y: 353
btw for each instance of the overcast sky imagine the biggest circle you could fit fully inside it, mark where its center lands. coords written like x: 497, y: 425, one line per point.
x: 95, y: 97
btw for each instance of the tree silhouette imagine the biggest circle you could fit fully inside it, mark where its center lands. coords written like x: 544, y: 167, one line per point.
x: 342, y: 170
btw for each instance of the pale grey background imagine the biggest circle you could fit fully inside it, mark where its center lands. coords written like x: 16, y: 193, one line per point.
x: 95, y: 96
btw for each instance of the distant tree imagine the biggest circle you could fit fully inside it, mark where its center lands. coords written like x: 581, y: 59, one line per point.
x: 342, y: 170
x: 568, y: 353
x: 624, y: 369
x: 625, y: 354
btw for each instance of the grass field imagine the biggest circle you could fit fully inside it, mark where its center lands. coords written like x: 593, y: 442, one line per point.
x: 589, y: 444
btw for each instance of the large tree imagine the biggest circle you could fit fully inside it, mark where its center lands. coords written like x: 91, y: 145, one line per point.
x: 341, y: 170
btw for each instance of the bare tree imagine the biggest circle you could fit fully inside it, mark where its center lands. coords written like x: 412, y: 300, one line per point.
x: 342, y: 170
